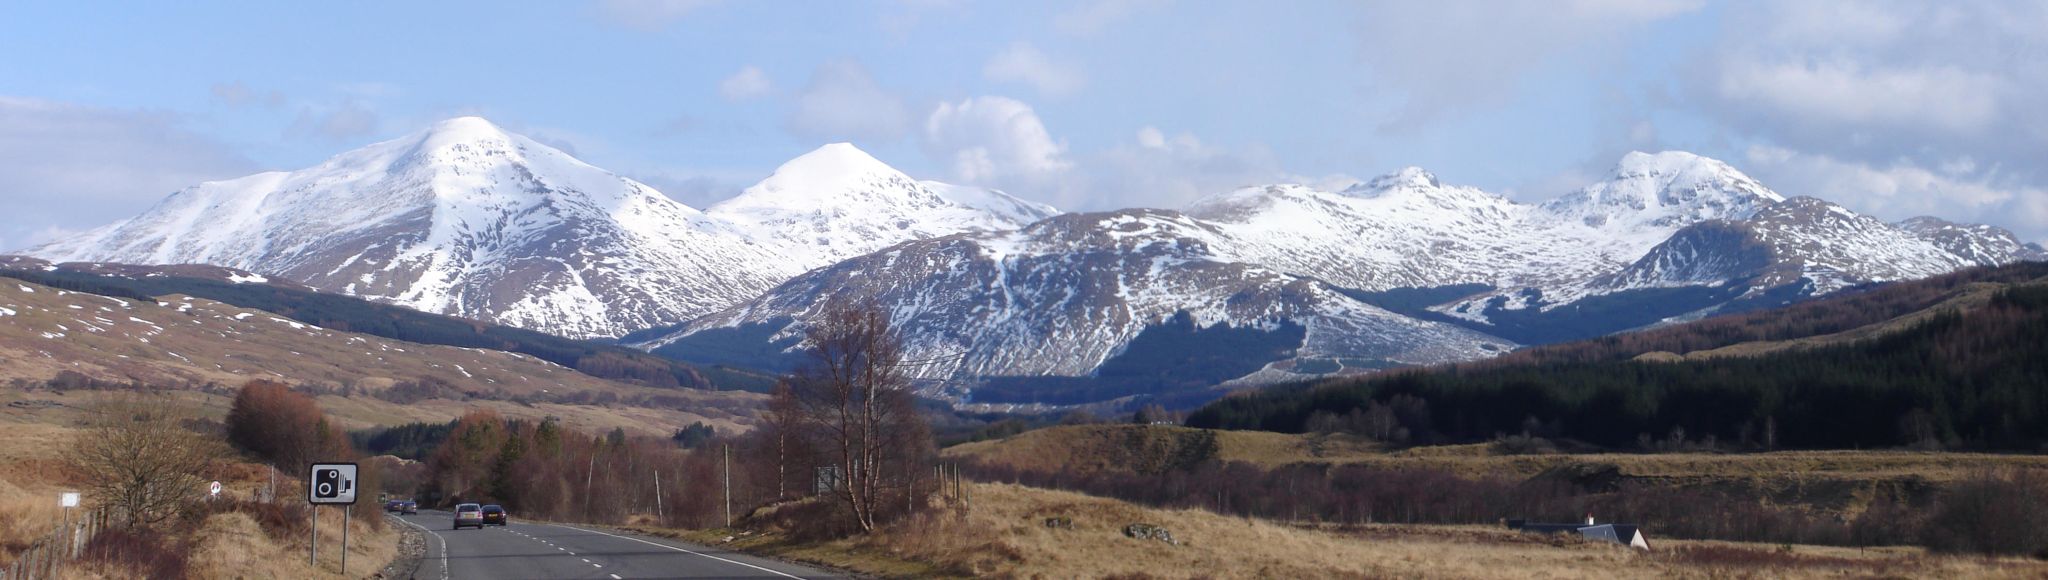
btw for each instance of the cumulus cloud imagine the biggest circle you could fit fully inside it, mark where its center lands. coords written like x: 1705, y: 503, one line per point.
x: 842, y: 102
x: 66, y: 167
x: 988, y: 140
x: 1954, y: 190
x: 1023, y: 64
x: 749, y: 83
x: 1444, y: 56
x: 649, y: 14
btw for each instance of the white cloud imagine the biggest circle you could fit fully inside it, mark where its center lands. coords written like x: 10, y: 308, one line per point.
x: 750, y: 82
x: 1443, y: 56
x: 66, y: 167
x: 1092, y: 16
x: 842, y: 102
x: 1872, y: 82
x: 988, y: 140
x: 238, y: 94
x: 352, y: 118
x: 1169, y: 170
x: 1024, y: 64
x: 1902, y: 189
x: 1851, y: 94
x: 649, y: 14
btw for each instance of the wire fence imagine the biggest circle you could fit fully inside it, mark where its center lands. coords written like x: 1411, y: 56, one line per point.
x: 48, y: 555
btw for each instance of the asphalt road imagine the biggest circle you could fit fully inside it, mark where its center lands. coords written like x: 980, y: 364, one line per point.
x: 524, y: 550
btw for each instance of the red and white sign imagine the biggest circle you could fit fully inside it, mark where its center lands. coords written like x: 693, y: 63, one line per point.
x: 213, y: 490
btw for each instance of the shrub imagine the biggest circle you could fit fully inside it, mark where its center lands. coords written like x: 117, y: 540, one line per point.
x: 1993, y: 513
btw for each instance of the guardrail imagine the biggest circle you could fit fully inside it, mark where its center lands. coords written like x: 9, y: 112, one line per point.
x: 66, y: 542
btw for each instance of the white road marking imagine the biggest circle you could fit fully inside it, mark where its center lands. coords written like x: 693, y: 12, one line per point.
x: 615, y: 577
x: 694, y: 553
x: 437, y: 538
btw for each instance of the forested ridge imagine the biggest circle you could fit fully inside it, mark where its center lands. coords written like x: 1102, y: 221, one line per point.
x: 1961, y: 379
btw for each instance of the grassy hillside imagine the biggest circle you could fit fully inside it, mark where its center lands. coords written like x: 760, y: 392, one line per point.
x: 382, y: 320
x: 1001, y: 532
x: 245, y: 540
x: 58, y: 344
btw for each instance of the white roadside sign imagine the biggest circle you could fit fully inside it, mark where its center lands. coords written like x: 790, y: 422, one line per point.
x: 213, y: 490
x: 331, y: 483
x: 68, y: 499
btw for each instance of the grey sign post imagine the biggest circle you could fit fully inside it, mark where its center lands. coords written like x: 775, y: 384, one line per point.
x: 331, y: 484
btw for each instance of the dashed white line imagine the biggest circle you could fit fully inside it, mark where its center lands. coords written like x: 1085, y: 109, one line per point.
x: 615, y: 577
x: 679, y: 550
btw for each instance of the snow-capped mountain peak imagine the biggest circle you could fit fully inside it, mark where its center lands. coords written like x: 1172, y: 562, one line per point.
x: 1670, y: 189
x: 837, y: 202
x: 1410, y: 177
x: 466, y: 218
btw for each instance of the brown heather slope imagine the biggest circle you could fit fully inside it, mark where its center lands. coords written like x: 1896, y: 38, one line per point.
x: 1002, y: 534
x: 181, y: 340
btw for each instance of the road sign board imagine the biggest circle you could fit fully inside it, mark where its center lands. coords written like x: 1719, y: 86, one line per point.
x: 67, y: 499
x: 213, y: 490
x: 331, y: 483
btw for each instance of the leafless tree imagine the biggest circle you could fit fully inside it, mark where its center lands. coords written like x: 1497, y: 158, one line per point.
x: 139, y: 458
x: 854, y: 393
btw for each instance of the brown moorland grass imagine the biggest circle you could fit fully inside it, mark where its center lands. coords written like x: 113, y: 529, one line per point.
x: 1003, y: 535
x: 1076, y: 448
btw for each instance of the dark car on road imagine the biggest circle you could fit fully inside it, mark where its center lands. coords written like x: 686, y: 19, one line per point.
x: 409, y: 508
x: 394, y: 506
x: 495, y: 514
x: 469, y: 514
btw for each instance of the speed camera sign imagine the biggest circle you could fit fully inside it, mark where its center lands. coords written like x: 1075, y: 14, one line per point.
x: 332, y: 483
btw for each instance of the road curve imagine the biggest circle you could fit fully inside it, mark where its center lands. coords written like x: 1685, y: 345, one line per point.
x: 526, y: 550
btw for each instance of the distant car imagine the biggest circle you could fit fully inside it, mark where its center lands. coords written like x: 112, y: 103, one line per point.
x: 495, y: 514
x: 469, y: 514
x: 394, y: 506
x: 409, y: 508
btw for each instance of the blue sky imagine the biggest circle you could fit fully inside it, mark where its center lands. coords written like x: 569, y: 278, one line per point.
x: 1894, y: 109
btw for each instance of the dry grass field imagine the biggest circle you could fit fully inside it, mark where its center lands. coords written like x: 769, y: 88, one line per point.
x: 1833, y: 481
x: 1128, y: 447
x: 1002, y: 534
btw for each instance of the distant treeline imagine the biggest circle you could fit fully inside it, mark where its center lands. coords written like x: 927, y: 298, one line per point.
x: 1976, y: 379
x: 399, y: 323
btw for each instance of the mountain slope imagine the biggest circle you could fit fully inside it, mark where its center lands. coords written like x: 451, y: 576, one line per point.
x: 304, y: 305
x: 467, y: 219
x: 81, y: 341
x: 1957, y: 360
x: 1067, y: 294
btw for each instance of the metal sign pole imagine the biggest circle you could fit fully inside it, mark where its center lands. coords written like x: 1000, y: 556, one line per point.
x: 349, y: 514
x: 313, y: 549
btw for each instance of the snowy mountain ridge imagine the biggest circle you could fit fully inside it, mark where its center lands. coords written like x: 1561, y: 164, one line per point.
x: 467, y: 219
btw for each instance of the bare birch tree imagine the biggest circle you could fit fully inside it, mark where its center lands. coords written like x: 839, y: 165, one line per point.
x: 855, y: 393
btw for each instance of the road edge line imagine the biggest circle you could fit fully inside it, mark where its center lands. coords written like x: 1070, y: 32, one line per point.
x: 683, y: 550
x: 437, y: 538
